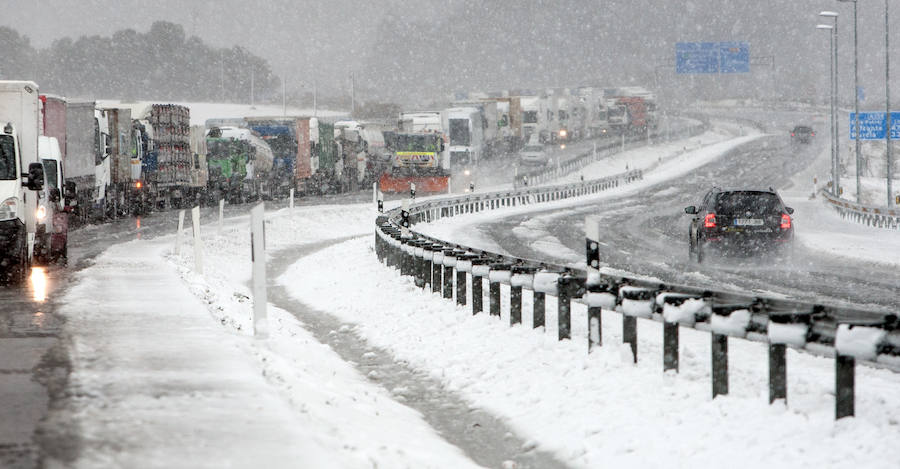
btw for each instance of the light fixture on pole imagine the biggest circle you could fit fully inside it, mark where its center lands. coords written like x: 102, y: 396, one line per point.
x: 856, y: 96
x: 835, y: 136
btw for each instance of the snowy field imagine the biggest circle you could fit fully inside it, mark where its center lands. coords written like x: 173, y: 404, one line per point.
x: 183, y: 383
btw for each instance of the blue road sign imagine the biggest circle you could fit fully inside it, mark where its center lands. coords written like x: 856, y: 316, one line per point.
x: 735, y: 57
x: 712, y: 57
x: 696, y: 57
x: 872, y: 125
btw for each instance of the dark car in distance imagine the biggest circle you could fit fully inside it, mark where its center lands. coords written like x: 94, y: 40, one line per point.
x: 802, y: 134
x: 747, y: 222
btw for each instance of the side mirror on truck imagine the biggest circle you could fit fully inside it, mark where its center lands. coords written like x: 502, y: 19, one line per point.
x: 34, y: 179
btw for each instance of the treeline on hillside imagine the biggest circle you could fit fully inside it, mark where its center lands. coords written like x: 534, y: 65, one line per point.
x: 162, y: 63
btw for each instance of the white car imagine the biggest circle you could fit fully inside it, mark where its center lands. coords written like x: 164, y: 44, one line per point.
x: 534, y: 154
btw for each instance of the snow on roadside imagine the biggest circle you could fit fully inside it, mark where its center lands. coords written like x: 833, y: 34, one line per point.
x: 599, y: 409
x: 818, y: 226
x: 178, y: 359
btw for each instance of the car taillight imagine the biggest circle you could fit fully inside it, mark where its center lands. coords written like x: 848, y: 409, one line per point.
x: 812, y: 134
x: 792, y: 134
x: 709, y: 221
x: 785, y: 221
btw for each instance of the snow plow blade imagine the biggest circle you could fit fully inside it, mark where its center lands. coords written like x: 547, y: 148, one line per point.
x: 423, y: 184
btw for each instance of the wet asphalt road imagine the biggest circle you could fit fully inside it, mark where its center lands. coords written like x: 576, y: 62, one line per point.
x: 34, y: 365
x: 646, y: 233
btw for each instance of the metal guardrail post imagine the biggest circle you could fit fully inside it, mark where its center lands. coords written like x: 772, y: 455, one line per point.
x: 522, y: 277
x: 719, y: 364
x: 448, y: 274
x: 844, y: 386
x: 477, y: 285
x: 777, y: 372
x: 670, y: 346
x: 499, y: 273
x: 437, y: 267
x: 461, y: 277
x: 538, y: 310
x: 419, y: 266
x: 634, y: 302
x: 568, y: 286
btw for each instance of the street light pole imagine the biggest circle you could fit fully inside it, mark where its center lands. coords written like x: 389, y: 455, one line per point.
x: 835, y: 140
x: 887, y: 104
x: 856, y: 95
x: 830, y: 29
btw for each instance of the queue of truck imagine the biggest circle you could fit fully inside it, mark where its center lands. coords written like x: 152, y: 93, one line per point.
x: 482, y: 126
x: 67, y: 161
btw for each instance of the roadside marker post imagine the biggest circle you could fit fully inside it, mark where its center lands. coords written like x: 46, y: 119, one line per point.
x: 198, y: 246
x: 178, y: 233
x: 291, y: 202
x: 258, y: 258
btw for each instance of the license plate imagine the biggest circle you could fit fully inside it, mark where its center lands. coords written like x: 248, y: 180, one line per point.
x: 748, y: 222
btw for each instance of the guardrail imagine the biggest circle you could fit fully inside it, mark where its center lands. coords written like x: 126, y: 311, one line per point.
x: 846, y: 334
x: 878, y: 217
x: 598, y: 152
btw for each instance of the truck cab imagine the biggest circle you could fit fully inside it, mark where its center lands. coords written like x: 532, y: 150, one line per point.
x: 52, y: 218
x: 21, y: 177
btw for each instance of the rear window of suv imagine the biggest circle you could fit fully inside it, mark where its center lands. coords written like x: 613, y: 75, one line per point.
x: 802, y: 130
x: 755, y: 202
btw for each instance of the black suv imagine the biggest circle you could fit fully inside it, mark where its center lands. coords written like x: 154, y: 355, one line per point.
x: 742, y: 221
x: 802, y: 134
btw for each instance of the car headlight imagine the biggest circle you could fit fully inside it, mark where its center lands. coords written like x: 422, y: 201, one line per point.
x: 41, y: 213
x: 9, y: 208
x: 467, y: 172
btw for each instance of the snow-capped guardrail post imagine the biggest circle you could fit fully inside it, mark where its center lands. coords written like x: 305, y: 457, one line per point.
x: 426, y: 260
x: 448, y: 256
x: 678, y: 309
x: 522, y: 276
x: 480, y: 270
x: 726, y: 320
x: 198, y: 243
x: 545, y: 282
x: 179, y: 233
x: 394, y: 258
x: 784, y: 329
x: 291, y: 199
x: 437, y: 267
x: 860, y: 340
x: 568, y: 286
x: 863, y: 341
x: 463, y: 266
x: 258, y: 259
x: 418, y: 259
x: 499, y: 274
x: 633, y: 302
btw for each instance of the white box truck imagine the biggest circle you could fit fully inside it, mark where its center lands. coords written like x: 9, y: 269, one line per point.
x: 21, y: 176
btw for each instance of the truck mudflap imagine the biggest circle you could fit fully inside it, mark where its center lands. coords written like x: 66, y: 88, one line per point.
x: 396, y: 184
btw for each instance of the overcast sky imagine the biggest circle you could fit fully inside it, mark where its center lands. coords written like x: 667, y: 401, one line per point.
x: 324, y: 40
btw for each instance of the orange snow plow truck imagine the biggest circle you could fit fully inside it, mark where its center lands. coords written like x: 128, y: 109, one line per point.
x: 416, y: 158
